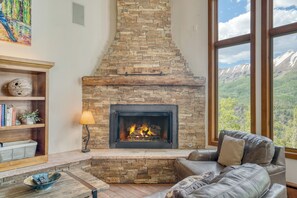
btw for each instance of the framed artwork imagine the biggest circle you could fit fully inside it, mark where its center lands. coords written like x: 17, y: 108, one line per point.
x: 15, y: 21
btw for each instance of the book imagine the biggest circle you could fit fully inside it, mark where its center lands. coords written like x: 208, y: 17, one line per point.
x: 3, y: 115
x: 9, y: 115
x: 13, y: 122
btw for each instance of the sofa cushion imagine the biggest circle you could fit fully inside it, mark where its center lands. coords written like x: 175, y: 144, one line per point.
x: 248, y: 180
x: 224, y: 172
x: 189, y: 184
x: 185, y: 168
x: 258, y: 149
x: 231, y: 151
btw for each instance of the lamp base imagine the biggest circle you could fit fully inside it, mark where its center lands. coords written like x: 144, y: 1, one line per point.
x: 85, y: 150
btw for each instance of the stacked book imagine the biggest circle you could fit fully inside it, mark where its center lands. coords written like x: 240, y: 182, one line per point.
x: 7, y: 115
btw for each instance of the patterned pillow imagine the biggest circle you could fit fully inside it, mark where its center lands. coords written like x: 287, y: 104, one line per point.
x: 188, y: 185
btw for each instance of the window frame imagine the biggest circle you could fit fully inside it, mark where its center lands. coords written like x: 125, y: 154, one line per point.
x: 213, y: 45
x: 268, y: 33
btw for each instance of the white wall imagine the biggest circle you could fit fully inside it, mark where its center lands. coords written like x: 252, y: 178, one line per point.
x: 76, y: 50
x: 186, y: 16
x: 190, y: 33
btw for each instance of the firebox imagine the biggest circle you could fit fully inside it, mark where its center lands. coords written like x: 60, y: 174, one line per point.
x: 143, y: 126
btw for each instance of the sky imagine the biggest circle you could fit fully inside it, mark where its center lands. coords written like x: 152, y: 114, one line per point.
x: 234, y: 20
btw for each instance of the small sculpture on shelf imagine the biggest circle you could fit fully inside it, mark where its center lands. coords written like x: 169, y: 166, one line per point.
x: 20, y: 87
x: 30, y: 117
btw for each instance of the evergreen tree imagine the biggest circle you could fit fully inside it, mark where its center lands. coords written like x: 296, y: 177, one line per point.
x: 227, y: 118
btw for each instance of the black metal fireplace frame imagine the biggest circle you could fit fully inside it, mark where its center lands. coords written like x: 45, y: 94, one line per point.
x: 142, y: 110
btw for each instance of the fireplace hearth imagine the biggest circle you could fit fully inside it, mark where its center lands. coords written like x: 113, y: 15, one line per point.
x: 143, y: 126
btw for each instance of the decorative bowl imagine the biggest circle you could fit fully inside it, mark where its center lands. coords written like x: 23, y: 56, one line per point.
x: 42, y: 181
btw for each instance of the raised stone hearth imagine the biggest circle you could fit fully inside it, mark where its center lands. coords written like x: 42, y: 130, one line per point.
x: 143, y: 66
x: 135, y: 171
x: 110, y: 165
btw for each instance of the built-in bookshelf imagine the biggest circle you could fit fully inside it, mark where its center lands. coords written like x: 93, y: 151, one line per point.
x: 36, y: 72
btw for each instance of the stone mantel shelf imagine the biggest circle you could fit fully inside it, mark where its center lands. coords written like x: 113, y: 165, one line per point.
x: 143, y: 81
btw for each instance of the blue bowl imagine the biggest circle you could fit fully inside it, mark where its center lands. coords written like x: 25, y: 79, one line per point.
x: 42, y: 181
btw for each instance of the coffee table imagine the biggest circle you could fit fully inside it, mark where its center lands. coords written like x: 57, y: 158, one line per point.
x: 74, y: 183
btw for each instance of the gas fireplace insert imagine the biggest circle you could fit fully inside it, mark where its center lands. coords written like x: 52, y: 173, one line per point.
x: 143, y: 126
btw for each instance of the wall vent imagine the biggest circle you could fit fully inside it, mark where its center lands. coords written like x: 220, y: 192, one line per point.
x: 78, y: 14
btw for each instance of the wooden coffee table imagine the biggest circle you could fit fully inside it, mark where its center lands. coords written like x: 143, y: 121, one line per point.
x: 74, y: 183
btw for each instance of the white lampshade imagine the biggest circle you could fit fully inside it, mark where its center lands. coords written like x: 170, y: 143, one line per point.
x: 87, y: 118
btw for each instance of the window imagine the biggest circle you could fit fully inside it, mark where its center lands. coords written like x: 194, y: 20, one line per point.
x: 231, y: 66
x: 279, y: 73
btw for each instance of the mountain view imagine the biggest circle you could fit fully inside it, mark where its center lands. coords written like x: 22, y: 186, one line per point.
x: 234, y: 98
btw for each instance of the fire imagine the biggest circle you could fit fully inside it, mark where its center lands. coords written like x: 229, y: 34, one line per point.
x: 141, y: 131
x: 132, y: 128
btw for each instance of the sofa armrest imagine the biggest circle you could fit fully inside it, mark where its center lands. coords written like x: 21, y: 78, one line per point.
x: 279, y: 156
x: 276, y: 191
x: 203, y: 155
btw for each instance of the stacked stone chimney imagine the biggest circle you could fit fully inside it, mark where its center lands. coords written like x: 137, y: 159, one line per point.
x: 143, y: 42
x: 143, y: 66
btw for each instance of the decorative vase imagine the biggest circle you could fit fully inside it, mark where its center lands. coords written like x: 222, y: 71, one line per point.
x: 20, y: 87
x: 28, y: 121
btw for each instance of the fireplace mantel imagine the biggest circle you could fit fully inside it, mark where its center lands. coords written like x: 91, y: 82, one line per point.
x: 143, y: 81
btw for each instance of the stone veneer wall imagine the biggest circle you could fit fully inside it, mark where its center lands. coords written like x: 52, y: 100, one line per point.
x: 134, y: 171
x: 190, y: 101
x: 143, y: 43
x: 142, y: 49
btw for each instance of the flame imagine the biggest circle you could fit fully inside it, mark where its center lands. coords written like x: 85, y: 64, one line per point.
x: 144, y: 127
x: 144, y: 130
x: 151, y: 133
x: 132, y: 128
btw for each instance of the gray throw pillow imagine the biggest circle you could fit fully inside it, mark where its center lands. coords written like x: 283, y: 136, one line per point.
x: 232, y: 150
x: 188, y: 185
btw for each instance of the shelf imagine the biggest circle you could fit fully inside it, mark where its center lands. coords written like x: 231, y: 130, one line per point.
x: 32, y: 126
x: 38, y: 73
x: 12, y: 98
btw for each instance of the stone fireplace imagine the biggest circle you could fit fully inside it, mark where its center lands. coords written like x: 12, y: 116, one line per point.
x: 143, y: 68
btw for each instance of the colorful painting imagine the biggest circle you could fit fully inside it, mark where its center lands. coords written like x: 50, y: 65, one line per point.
x: 15, y: 21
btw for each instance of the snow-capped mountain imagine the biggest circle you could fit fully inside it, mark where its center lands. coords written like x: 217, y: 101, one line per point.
x: 285, y: 63
x: 282, y: 64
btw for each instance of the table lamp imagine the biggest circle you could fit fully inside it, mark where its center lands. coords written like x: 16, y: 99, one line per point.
x: 87, y: 118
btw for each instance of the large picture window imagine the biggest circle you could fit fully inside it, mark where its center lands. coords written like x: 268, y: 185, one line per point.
x: 279, y: 73
x: 232, y: 66
x: 285, y: 90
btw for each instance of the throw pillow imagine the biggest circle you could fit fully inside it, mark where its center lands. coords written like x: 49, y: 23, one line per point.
x: 188, y: 185
x: 231, y: 151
